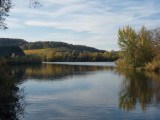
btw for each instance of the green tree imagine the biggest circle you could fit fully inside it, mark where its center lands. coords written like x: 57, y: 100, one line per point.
x: 137, y: 48
x: 145, y: 48
x: 127, y: 41
x: 155, y: 37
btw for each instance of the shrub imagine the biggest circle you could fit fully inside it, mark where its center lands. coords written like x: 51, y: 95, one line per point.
x: 24, y: 59
x: 154, y: 65
x: 121, y: 63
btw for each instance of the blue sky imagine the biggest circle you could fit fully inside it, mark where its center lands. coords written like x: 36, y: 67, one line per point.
x: 88, y: 22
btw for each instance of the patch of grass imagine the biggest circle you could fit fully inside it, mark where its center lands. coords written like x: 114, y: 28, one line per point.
x: 43, y: 51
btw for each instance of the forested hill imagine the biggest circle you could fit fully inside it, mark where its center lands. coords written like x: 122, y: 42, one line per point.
x: 12, y: 42
x: 60, y: 46
x: 45, y: 45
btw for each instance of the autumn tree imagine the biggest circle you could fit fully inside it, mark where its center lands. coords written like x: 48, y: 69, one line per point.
x: 155, y: 37
x: 50, y: 56
x: 137, y: 48
x: 144, y: 47
x: 127, y: 41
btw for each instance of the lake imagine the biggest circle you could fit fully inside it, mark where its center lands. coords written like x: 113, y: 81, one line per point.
x: 78, y: 91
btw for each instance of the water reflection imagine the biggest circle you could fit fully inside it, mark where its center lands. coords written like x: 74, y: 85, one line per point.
x: 139, y: 87
x: 102, y: 88
x: 12, y: 98
x: 12, y: 102
x: 54, y: 71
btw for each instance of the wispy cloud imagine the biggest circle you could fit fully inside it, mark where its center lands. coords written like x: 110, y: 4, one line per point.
x: 96, y: 21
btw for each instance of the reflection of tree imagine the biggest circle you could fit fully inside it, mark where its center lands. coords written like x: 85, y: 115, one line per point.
x: 11, y: 98
x: 12, y: 103
x: 56, y: 71
x: 138, y: 87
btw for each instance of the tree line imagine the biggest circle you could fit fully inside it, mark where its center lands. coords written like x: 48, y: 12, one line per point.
x: 73, y: 56
x: 35, y: 52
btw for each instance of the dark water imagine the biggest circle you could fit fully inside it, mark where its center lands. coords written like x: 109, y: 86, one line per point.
x: 76, y: 92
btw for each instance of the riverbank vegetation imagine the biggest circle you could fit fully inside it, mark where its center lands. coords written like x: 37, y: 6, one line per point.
x: 139, y: 50
x: 20, y: 51
x: 54, y: 55
x: 27, y: 59
x: 15, y: 55
x: 64, y: 52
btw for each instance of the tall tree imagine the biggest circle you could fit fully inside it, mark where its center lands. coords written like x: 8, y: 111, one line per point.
x: 128, y: 43
x: 145, y: 48
x: 155, y: 37
x: 137, y: 48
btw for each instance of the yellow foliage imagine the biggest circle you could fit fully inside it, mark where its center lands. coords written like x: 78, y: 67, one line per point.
x: 153, y: 66
x: 35, y: 51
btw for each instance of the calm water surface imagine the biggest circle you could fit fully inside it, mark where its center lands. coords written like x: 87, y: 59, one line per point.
x: 78, y: 91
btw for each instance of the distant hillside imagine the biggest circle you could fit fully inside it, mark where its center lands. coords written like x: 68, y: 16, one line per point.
x: 69, y: 47
x: 58, y: 46
x: 6, y: 51
x: 12, y: 42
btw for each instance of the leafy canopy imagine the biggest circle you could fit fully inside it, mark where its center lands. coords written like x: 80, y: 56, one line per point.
x: 136, y: 47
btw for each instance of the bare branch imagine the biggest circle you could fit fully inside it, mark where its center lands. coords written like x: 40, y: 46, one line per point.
x: 6, y: 5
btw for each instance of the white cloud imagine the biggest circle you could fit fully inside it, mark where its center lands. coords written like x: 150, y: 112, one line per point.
x: 14, y: 23
x: 100, y: 19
